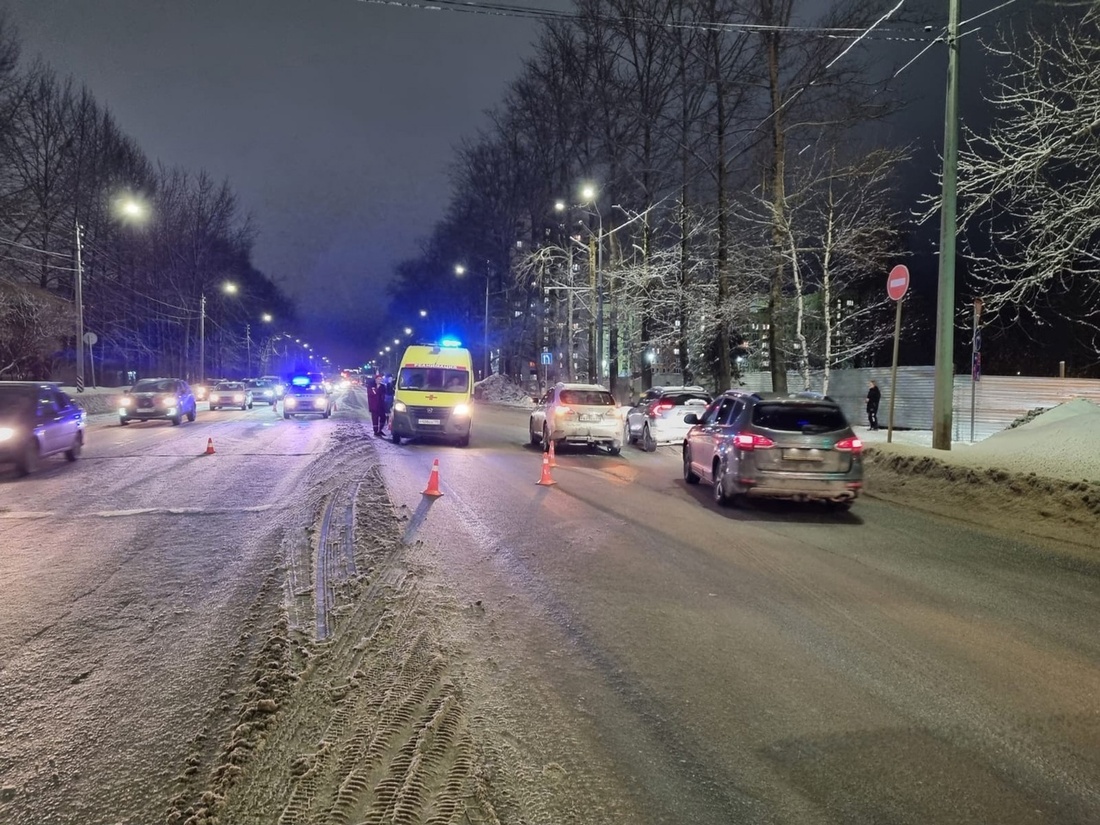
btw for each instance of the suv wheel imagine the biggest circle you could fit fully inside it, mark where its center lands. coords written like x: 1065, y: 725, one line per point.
x: 28, y: 463
x: 721, y: 497
x: 689, y: 475
x: 648, y: 442
x: 535, y: 439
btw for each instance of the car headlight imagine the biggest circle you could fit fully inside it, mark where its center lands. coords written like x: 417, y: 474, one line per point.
x: 7, y: 433
x: 238, y: 397
x: 399, y: 406
x: 125, y: 402
x: 268, y: 393
x: 168, y: 400
x: 292, y: 402
x: 461, y: 410
x: 319, y: 403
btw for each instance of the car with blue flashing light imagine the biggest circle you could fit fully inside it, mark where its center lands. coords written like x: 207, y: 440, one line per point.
x: 307, y: 395
x: 433, y: 393
x: 151, y: 399
x: 38, y: 419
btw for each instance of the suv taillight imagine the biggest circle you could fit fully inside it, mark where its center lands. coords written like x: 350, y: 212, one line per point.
x: 752, y: 441
x: 850, y: 445
x: 657, y: 407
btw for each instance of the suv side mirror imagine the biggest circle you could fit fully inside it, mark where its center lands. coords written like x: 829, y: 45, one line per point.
x: 691, y: 418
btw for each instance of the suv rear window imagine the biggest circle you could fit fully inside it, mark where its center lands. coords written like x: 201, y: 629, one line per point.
x: 799, y: 418
x: 679, y: 399
x: 587, y: 398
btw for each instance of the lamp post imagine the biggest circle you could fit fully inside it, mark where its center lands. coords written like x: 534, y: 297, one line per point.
x: 589, y: 194
x: 460, y: 270
x: 78, y: 296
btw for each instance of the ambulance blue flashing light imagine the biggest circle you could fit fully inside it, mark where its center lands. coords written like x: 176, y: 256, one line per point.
x: 300, y: 381
x: 450, y: 343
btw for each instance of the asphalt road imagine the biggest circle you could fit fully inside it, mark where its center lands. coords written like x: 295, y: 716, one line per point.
x: 650, y: 657
x: 777, y: 664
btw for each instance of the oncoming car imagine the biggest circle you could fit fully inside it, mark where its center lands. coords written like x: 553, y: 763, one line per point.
x: 577, y: 414
x: 768, y: 445
x: 152, y: 398
x: 263, y: 391
x: 231, y: 394
x: 38, y: 420
x: 307, y: 395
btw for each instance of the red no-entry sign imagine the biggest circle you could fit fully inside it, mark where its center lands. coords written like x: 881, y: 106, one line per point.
x: 897, y: 282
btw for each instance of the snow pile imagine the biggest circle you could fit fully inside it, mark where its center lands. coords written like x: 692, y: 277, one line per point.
x: 499, y: 389
x: 96, y: 400
x: 1041, y: 477
x: 1063, y: 442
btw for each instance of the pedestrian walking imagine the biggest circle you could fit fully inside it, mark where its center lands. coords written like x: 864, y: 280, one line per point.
x: 376, y: 403
x: 874, y: 395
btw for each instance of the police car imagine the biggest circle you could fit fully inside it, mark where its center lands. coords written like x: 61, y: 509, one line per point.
x: 307, y: 395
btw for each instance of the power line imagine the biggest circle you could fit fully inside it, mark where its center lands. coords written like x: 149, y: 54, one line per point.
x: 523, y: 12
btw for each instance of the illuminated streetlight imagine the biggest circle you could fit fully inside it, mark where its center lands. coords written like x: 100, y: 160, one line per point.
x: 267, y: 318
x: 423, y: 313
x: 230, y: 287
x: 460, y: 270
x: 131, y: 208
x: 588, y: 193
x: 559, y: 206
x: 408, y: 331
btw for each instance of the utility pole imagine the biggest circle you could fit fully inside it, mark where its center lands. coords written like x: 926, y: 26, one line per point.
x: 79, y: 296
x: 202, y: 340
x: 485, y: 329
x: 248, y: 349
x: 943, y: 395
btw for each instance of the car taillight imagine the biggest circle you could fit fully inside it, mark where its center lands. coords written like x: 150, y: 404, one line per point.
x: 850, y: 445
x: 752, y: 441
x: 656, y: 409
x: 562, y: 411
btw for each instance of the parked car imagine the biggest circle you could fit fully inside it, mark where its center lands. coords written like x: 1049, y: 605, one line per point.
x: 661, y: 419
x: 307, y: 395
x: 263, y: 391
x: 38, y: 420
x: 152, y: 398
x: 577, y: 414
x: 231, y: 394
x: 774, y: 446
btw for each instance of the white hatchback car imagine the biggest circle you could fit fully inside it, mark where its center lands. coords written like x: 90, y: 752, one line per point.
x: 661, y: 419
x: 578, y: 414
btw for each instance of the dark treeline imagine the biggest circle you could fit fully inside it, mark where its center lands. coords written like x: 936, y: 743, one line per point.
x: 740, y: 213
x: 153, y: 241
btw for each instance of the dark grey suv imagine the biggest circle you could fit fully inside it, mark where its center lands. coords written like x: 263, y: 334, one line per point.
x: 769, y: 445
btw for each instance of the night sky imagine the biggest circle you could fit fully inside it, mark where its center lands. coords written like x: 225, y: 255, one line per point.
x: 335, y: 120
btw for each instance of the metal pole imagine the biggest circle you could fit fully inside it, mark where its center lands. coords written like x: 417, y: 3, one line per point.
x: 569, y: 320
x: 599, y: 301
x: 975, y: 363
x: 945, y: 306
x: 894, y: 373
x: 485, y: 331
x: 248, y: 349
x: 202, y: 340
x: 79, y: 296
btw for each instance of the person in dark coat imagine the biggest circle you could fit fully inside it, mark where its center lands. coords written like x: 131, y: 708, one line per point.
x: 388, y: 390
x: 376, y: 403
x: 873, y: 397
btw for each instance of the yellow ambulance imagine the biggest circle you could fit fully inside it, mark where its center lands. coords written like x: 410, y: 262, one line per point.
x: 433, y: 393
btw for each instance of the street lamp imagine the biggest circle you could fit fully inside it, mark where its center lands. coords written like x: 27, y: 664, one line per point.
x: 460, y: 270
x: 227, y: 287
x: 588, y: 193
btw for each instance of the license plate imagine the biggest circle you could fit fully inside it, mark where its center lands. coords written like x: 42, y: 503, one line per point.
x: 428, y: 421
x: 802, y: 455
x: 590, y: 418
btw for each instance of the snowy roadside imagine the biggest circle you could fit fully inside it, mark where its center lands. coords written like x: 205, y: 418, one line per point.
x: 1041, y: 478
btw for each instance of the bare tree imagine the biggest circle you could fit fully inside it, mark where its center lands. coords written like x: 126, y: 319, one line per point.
x: 1028, y: 187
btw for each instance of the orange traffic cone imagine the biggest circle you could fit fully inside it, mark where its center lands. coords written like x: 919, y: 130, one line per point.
x: 546, y: 480
x: 553, y: 461
x: 209, y: 447
x: 433, y: 481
